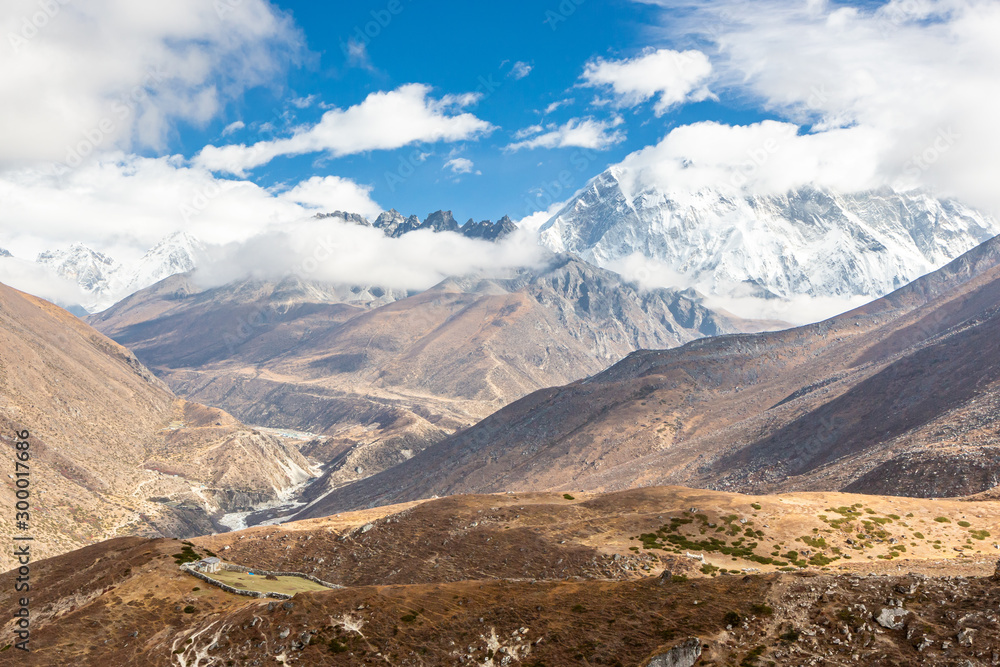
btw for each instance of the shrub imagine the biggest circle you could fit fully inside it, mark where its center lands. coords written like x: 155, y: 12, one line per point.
x: 964, y: 524
x: 731, y: 618
x: 942, y: 519
x: 568, y: 497
x: 189, y: 609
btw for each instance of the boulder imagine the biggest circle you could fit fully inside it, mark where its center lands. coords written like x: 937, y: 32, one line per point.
x: 684, y: 654
x: 892, y: 618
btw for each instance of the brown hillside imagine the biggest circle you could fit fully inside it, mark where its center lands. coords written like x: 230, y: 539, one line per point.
x: 443, y: 582
x: 107, y: 436
x: 899, y: 396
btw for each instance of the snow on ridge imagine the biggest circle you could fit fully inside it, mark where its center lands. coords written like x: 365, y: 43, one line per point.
x: 808, y: 242
x: 107, y: 281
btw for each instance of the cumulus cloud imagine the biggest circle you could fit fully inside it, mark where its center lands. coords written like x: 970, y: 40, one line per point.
x: 105, y: 74
x: 671, y: 76
x: 339, y: 252
x: 123, y: 204
x: 911, y: 86
x: 579, y: 133
x: 332, y: 193
x: 383, y: 121
x: 460, y: 165
x: 770, y: 157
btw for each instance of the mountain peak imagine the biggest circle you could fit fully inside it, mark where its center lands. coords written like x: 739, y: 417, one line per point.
x: 806, y: 242
x: 441, y: 221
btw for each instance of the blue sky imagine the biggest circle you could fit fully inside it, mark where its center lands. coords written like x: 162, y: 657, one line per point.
x: 459, y: 47
x: 231, y: 119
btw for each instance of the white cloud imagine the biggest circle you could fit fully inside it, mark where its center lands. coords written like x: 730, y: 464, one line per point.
x: 460, y: 165
x: 122, y: 205
x: 357, y: 54
x: 533, y: 222
x: 303, y: 102
x: 770, y: 157
x: 555, y: 105
x: 345, y: 253
x: 520, y: 70
x: 36, y: 279
x: 383, y: 121
x: 580, y: 133
x: 910, y: 87
x: 671, y: 76
x: 332, y: 193
x: 235, y: 126
x: 105, y: 74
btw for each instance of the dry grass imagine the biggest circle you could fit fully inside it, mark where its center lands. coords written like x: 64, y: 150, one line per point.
x: 257, y: 582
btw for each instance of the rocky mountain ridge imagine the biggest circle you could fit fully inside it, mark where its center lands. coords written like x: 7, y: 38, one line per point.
x: 807, y: 242
x: 394, y: 224
x: 899, y: 396
x: 384, y: 377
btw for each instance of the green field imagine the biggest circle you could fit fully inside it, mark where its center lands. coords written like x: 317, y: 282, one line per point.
x: 257, y: 582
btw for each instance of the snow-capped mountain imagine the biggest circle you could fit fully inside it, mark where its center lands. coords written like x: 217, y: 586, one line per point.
x: 90, y: 269
x: 107, y: 281
x: 808, y: 242
x: 177, y: 253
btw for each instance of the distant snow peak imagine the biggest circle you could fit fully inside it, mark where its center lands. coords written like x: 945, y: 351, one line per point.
x: 88, y: 268
x: 806, y: 243
x: 107, y: 281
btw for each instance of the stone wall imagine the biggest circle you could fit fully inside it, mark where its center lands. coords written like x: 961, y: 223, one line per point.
x: 232, y: 567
